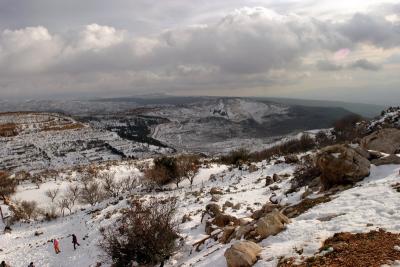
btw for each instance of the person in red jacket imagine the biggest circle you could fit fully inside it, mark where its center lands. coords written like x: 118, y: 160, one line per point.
x: 56, y: 246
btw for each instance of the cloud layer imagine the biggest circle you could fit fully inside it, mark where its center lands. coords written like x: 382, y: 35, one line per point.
x: 254, y: 48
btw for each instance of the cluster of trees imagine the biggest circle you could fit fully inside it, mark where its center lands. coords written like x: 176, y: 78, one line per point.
x: 92, y: 188
x: 173, y: 169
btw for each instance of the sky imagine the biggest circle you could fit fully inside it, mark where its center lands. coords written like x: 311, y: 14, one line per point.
x: 346, y: 50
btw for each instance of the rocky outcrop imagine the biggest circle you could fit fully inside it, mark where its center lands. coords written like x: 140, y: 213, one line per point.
x: 391, y: 159
x: 271, y: 224
x: 242, y: 254
x: 385, y: 140
x: 341, y: 164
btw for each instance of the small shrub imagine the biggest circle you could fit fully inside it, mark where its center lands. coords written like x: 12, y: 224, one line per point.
x: 236, y: 157
x: 188, y: 166
x: 50, y: 213
x: 24, y: 210
x: 91, y: 192
x: 293, y: 146
x: 7, y: 185
x: 146, y: 234
x: 322, y: 139
x: 305, y: 173
x: 163, y: 171
x: 345, y: 128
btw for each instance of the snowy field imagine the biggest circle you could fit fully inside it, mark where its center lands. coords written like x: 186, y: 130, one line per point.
x: 369, y: 205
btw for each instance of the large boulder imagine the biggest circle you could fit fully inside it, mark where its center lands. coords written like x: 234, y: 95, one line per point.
x: 341, y: 164
x: 385, y: 140
x: 391, y: 159
x: 242, y: 254
x: 271, y: 224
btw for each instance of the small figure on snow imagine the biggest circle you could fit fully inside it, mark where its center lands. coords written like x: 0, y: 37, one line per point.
x: 31, y: 265
x: 56, y: 246
x: 75, y: 241
x: 3, y: 264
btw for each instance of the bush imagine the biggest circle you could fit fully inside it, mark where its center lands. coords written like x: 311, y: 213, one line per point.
x: 24, y: 210
x: 305, y: 173
x: 163, y: 171
x: 293, y: 146
x: 49, y: 213
x: 188, y: 166
x: 145, y: 234
x: 345, y: 128
x: 322, y: 139
x: 7, y: 185
x: 29, y: 209
x: 236, y: 157
x: 91, y: 192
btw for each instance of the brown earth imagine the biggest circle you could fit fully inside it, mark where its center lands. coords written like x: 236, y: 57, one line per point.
x: 372, y: 249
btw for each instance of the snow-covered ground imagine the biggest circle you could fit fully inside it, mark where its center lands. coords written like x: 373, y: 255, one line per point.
x: 371, y: 204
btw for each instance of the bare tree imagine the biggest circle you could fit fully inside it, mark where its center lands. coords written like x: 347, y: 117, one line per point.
x: 110, y: 185
x: 188, y: 167
x: 37, y: 181
x: 65, y: 203
x: 73, y: 192
x: 52, y: 193
x: 29, y: 208
x: 128, y: 183
x: 91, y: 193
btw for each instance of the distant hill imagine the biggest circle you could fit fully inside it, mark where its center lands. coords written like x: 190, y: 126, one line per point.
x: 366, y: 110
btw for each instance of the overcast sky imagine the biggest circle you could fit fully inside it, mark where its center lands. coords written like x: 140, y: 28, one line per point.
x: 317, y: 49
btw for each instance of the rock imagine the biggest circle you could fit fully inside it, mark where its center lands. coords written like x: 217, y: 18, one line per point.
x: 216, y: 191
x: 215, y: 198
x: 213, y: 209
x: 375, y: 155
x: 213, y: 178
x: 237, y: 206
x: 228, y: 231
x: 242, y: 254
x: 253, y: 168
x: 268, y: 180
x: 271, y: 224
x: 391, y: 159
x: 274, y: 187
x: 276, y: 178
x: 186, y: 218
x: 385, y: 140
x: 267, y: 208
x: 228, y: 204
x: 243, y: 231
x: 341, y: 164
x: 38, y: 233
x: 222, y: 220
x: 290, y: 159
x: 245, y: 221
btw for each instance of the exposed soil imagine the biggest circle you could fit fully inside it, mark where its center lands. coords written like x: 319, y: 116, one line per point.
x: 304, y: 205
x: 372, y: 249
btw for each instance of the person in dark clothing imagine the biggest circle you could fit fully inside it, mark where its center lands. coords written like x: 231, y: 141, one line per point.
x: 31, y: 265
x: 3, y: 264
x: 75, y: 241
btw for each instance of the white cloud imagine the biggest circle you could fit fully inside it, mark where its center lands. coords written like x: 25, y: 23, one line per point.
x: 96, y: 37
x: 31, y: 49
x: 247, y: 47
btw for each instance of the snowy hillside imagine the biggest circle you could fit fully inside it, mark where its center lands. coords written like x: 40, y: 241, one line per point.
x: 47, y: 140
x: 372, y: 204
